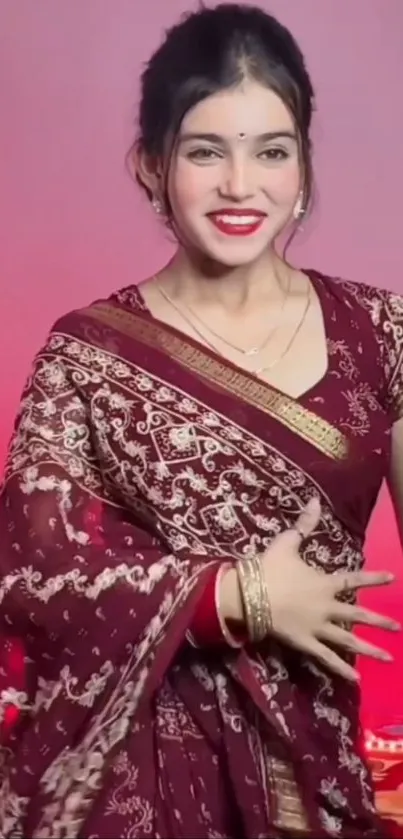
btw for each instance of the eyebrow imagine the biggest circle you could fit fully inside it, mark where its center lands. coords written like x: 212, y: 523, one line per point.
x: 219, y: 140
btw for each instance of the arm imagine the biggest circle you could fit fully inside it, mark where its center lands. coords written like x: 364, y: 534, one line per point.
x: 219, y: 616
x: 395, y: 479
x: 81, y: 578
x: 387, y: 317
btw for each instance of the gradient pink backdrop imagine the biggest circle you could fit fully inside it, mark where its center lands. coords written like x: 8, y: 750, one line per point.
x: 73, y: 227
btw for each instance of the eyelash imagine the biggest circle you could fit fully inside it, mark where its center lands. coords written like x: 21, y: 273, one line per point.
x: 277, y: 154
x: 202, y: 155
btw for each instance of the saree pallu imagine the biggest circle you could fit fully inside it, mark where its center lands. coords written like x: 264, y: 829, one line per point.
x: 139, y: 462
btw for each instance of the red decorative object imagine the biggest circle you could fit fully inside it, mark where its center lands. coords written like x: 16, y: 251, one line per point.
x: 385, y: 752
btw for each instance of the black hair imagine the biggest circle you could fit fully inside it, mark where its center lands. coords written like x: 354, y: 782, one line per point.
x: 214, y: 49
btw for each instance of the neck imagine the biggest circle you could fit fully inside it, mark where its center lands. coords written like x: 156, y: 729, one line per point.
x: 200, y: 282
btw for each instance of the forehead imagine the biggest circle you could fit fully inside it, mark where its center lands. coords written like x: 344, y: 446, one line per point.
x: 250, y: 108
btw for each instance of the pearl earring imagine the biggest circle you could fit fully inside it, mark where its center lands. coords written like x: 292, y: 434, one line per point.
x: 299, y: 209
x: 157, y: 205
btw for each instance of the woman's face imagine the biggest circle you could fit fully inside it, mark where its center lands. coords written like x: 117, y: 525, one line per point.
x: 235, y: 174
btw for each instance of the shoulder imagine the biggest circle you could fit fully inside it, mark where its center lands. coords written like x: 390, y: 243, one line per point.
x: 378, y: 302
x: 377, y: 308
x: 379, y: 312
x: 130, y: 297
x: 382, y: 306
x: 74, y: 323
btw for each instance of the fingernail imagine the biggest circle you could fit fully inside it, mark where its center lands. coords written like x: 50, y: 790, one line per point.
x: 312, y: 504
x: 395, y: 626
x: 386, y: 657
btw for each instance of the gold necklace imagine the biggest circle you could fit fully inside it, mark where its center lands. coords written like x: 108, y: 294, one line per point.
x: 187, y: 320
x: 253, y: 350
x: 268, y: 367
x: 258, y: 372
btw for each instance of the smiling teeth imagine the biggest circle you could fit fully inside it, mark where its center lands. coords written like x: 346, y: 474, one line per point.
x: 237, y: 220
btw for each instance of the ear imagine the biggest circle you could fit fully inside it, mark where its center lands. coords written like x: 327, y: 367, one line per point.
x: 147, y: 169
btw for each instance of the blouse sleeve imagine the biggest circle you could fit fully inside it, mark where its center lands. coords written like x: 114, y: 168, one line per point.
x: 385, y: 309
x: 391, y: 339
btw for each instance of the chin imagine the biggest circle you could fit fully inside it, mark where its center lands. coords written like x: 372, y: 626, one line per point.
x: 235, y: 255
x: 231, y: 252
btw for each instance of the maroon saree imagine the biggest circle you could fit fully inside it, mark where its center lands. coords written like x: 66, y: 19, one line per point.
x: 139, y: 461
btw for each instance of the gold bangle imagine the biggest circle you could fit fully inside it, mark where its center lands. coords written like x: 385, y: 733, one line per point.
x: 255, y: 598
x: 227, y: 635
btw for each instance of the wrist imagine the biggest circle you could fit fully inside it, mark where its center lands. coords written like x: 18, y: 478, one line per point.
x: 218, y: 617
x: 230, y: 597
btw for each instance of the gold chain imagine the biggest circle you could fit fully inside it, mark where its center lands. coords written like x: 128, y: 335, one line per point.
x: 260, y: 370
x: 253, y: 350
x: 268, y: 367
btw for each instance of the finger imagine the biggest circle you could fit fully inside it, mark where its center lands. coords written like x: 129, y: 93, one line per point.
x: 331, y: 660
x: 345, y: 613
x: 353, y: 580
x: 352, y: 643
x: 306, y: 522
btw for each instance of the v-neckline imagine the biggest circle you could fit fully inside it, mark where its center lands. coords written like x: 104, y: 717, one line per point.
x: 316, y: 279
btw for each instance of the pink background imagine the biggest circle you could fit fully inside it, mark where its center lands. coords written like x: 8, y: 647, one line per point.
x: 73, y: 227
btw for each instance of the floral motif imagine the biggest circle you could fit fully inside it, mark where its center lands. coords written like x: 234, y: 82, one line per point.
x: 119, y: 481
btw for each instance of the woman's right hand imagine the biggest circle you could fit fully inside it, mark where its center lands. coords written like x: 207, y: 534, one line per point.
x: 305, y: 611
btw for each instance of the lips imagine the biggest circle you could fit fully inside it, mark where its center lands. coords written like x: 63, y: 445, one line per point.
x: 237, y: 222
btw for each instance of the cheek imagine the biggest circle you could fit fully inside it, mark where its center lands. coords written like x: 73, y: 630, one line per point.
x: 284, y: 184
x: 189, y: 186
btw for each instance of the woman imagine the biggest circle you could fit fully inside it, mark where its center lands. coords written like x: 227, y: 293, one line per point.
x: 192, y: 471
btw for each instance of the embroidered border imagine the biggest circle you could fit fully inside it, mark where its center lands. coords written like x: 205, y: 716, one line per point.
x: 294, y: 416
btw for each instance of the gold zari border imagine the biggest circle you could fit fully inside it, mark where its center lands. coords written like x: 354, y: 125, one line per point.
x: 315, y: 430
x: 290, y: 813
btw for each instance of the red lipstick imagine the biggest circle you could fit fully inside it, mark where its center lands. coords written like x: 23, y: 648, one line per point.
x: 237, y: 222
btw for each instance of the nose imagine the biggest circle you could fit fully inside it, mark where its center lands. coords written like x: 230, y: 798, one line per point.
x: 237, y: 183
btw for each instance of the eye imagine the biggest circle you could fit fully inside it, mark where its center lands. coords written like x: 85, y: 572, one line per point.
x: 203, y: 155
x: 274, y: 154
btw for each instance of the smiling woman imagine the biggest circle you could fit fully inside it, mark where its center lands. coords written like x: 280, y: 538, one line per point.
x: 238, y: 162
x: 214, y: 173
x: 194, y: 464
